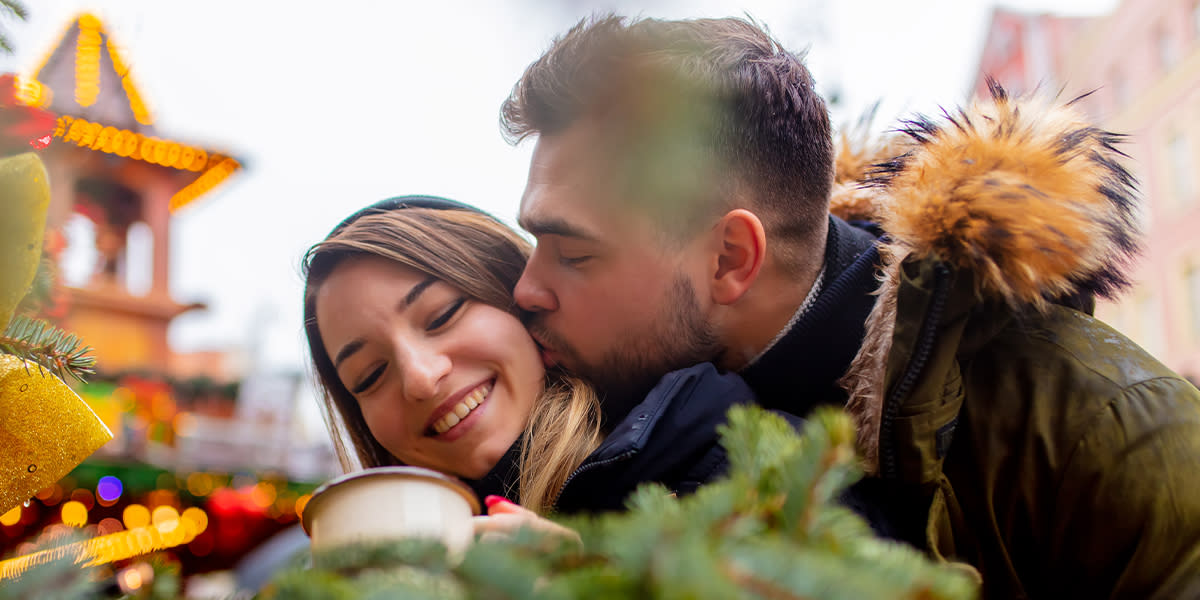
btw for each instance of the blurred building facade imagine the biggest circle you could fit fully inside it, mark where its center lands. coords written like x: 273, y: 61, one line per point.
x: 115, y: 184
x: 1142, y: 64
x: 191, y: 430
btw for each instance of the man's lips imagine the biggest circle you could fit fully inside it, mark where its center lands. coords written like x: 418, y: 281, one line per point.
x: 546, y: 354
x: 548, y: 359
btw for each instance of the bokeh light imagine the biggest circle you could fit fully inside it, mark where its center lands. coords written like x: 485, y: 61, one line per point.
x: 198, y: 517
x: 109, y: 488
x: 74, y: 513
x: 135, y: 515
x: 50, y: 495
x: 165, y: 517
x: 11, y: 517
x: 84, y: 497
x: 263, y: 494
x: 301, y: 502
x: 200, y: 484
x: 109, y: 525
x: 134, y: 577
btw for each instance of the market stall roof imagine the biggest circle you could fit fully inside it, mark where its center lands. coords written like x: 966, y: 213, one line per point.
x: 85, y: 79
x: 85, y: 75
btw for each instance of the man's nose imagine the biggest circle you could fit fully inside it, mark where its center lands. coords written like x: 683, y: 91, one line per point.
x: 422, y: 372
x: 531, y: 292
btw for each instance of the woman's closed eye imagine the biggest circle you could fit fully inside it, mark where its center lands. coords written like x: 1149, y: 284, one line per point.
x: 369, y: 380
x: 446, y: 315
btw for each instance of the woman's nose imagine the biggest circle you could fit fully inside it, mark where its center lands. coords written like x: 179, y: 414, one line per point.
x: 422, y: 373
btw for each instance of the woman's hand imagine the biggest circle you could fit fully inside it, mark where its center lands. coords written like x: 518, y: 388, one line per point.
x: 505, y: 518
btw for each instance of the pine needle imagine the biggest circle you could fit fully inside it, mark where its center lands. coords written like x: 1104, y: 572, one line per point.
x: 53, y: 349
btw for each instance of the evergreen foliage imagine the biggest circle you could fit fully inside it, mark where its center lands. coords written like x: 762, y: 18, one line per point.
x: 11, y: 8
x: 771, y: 529
x: 60, y: 578
x: 59, y: 352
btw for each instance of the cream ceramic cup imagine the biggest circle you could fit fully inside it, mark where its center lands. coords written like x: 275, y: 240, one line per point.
x: 391, y: 503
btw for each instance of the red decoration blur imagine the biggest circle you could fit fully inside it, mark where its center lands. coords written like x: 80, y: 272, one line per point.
x: 22, y: 127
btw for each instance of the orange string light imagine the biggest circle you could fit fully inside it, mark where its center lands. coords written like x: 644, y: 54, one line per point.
x: 103, y: 549
x: 130, y: 144
x: 87, y: 61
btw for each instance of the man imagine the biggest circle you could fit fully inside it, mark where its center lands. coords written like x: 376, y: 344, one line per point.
x: 679, y: 192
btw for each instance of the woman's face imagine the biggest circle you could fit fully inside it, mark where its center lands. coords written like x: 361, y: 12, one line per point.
x: 443, y: 381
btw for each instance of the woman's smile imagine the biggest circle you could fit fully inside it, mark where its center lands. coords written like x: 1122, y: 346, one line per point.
x: 451, y: 420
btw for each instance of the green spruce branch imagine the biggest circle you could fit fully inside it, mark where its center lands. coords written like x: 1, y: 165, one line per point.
x: 11, y: 8
x: 772, y: 529
x: 53, y: 349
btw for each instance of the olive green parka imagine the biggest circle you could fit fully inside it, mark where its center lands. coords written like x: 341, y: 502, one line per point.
x: 1038, y: 444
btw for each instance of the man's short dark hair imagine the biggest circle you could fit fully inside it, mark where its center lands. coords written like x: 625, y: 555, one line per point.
x: 672, y: 94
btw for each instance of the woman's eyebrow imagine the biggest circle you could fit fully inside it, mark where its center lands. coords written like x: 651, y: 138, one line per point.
x: 356, y: 344
x: 416, y: 291
x: 349, y: 349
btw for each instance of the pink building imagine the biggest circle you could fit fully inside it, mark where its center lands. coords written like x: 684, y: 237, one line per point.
x: 1025, y: 52
x: 1143, y: 61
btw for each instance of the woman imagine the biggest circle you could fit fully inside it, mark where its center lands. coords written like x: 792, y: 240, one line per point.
x: 423, y: 360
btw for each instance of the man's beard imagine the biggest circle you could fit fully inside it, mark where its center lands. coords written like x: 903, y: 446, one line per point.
x: 679, y: 337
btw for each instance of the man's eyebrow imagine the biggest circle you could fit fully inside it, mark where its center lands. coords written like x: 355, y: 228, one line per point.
x: 356, y: 344
x: 554, y: 226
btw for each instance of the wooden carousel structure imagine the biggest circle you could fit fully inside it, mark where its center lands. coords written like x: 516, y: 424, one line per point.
x: 110, y: 165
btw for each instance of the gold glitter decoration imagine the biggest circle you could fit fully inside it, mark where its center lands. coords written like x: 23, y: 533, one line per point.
x: 46, y: 429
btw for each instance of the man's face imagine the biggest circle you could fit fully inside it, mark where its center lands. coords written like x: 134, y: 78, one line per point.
x: 610, y: 299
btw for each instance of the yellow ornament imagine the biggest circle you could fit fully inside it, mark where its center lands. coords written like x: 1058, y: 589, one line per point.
x: 24, y: 199
x: 46, y: 429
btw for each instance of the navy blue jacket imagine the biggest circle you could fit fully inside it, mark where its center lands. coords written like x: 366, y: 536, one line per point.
x: 671, y: 438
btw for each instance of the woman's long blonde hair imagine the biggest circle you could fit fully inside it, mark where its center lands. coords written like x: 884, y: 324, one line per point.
x: 484, y: 258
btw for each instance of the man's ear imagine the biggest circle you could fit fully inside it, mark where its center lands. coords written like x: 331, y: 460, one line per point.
x: 741, y: 249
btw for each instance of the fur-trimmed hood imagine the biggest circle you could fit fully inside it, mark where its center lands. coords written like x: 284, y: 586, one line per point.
x: 1024, y: 194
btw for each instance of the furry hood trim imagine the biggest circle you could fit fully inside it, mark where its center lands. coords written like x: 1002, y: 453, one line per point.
x: 1023, y: 193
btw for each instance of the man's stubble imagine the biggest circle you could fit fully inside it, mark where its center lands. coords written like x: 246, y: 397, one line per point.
x: 679, y: 337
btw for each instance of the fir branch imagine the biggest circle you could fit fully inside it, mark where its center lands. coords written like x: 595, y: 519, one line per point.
x: 752, y: 583
x: 11, y: 8
x: 772, y: 529
x: 53, y: 349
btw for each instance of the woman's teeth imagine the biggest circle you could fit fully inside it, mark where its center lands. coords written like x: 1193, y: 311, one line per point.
x: 462, y: 409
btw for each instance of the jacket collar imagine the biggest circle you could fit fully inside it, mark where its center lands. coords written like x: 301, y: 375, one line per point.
x: 658, y: 440
x: 800, y: 371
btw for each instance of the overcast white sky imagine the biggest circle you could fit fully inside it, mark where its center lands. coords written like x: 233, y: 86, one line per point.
x: 334, y: 105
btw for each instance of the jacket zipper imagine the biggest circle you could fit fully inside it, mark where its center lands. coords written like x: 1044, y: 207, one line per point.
x: 587, y: 467
x: 913, y: 370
